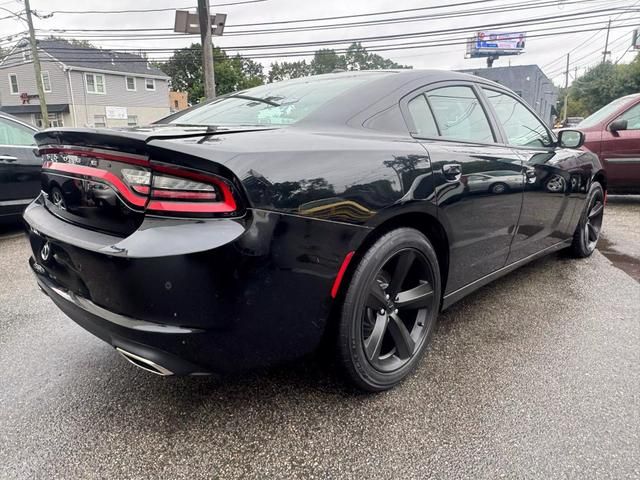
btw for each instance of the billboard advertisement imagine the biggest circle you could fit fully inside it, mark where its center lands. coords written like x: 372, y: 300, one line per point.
x: 500, y: 41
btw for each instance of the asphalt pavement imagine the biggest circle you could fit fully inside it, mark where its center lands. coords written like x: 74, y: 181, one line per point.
x: 534, y: 376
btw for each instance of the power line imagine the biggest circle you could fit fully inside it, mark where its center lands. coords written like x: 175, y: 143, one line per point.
x: 311, y: 53
x: 459, y: 40
x: 385, y: 21
x: 588, y: 40
x: 148, y: 10
x: 468, y: 29
x: 575, y: 62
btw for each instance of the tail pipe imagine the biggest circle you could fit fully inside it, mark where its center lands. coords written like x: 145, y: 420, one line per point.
x: 144, y: 363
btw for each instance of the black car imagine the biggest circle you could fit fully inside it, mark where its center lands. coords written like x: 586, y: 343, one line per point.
x: 19, y: 166
x: 245, y: 231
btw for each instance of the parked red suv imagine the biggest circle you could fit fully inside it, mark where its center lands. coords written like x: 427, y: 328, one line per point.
x: 613, y: 133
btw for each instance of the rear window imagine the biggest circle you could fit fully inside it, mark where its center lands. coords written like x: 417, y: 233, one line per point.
x: 281, y: 103
x: 603, y: 113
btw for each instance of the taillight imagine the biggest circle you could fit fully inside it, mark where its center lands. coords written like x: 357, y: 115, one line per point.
x: 158, y: 188
x: 184, y: 191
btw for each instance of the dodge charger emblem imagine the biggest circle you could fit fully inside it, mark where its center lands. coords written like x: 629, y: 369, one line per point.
x: 44, y: 253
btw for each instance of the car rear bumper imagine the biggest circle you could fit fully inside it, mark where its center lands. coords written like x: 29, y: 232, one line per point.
x: 160, y: 345
x: 196, y: 297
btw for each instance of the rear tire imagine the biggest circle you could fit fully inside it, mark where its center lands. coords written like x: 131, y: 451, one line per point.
x: 389, y: 311
x: 588, y: 230
x: 499, y: 188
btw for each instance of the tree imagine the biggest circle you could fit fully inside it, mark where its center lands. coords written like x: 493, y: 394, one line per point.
x: 326, y: 60
x: 603, y: 84
x: 232, y: 73
x: 288, y: 70
x: 357, y: 58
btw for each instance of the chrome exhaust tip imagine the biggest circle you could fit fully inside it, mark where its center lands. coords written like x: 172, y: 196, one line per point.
x: 144, y: 363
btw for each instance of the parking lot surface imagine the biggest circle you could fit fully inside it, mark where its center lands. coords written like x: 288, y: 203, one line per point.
x: 534, y: 376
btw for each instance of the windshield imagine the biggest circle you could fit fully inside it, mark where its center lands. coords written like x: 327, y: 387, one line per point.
x: 603, y: 113
x: 281, y: 103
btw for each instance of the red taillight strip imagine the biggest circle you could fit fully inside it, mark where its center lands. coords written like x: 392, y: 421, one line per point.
x: 191, y: 207
x: 183, y: 195
x: 107, y: 177
x: 341, y: 272
x: 224, y: 205
x: 96, y: 153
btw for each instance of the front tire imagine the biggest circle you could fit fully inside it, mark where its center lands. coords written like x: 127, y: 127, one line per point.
x: 588, y: 230
x: 389, y: 311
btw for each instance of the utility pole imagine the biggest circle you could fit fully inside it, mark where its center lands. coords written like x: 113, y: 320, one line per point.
x: 36, y: 66
x: 606, y: 44
x: 207, y: 49
x: 566, y: 92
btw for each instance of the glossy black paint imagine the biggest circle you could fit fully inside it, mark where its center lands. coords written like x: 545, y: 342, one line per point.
x: 257, y: 286
x: 19, y: 171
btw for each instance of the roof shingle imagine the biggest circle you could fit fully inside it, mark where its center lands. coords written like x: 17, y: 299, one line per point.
x: 97, y: 58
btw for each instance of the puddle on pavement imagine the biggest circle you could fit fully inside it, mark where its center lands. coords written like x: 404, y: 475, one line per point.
x: 628, y: 264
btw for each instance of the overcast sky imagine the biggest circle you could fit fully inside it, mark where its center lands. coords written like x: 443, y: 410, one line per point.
x: 539, y: 51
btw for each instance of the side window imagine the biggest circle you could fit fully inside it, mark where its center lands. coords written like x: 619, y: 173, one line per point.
x: 632, y: 116
x: 459, y: 115
x: 422, y: 117
x: 14, y: 134
x: 523, y: 129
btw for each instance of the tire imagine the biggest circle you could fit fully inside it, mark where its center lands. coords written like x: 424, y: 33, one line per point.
x: 57, y: 198
x: 396, y: 284
x: 588, y: 230
x: 498, y: 188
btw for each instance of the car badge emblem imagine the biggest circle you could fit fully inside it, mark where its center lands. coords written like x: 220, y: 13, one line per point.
x: 45, y: 252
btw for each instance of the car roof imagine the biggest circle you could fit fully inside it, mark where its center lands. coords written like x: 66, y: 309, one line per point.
x: 17, y: 120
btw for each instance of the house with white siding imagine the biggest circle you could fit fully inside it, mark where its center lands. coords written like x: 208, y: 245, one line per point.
x: 84, y: 86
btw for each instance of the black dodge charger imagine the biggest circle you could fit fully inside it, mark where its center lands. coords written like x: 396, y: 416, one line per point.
x: 348, y: 207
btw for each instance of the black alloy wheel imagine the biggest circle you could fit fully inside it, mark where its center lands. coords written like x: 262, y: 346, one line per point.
x: 57, y: 199
x: 588, y: 231
x: 390, y: 310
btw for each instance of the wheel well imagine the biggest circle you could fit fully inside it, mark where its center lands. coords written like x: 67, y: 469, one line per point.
x: 424, y: 223
x: 601, y: 178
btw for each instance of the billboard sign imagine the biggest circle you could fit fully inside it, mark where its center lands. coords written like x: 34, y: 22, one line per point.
x: 500, y: 42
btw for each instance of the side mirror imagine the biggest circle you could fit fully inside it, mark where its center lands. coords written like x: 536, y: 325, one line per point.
x: 617, y: 125
x: 570, y: 139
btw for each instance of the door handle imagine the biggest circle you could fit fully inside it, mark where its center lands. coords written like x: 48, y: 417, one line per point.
x: 452, y: 171
x: 8, y: 158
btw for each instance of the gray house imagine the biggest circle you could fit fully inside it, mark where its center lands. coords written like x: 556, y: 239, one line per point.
x: 529, y: 82
x: 84, y: 86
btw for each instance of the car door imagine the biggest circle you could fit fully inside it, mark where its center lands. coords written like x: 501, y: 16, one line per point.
x: 621, y: 152
x: 453, y: 124
x: 548, y: 204
x: 19, y: 166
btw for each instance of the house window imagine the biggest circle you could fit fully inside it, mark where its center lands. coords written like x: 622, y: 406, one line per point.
x: 99, y: 121
x: 13, y: 81
x: 132, y: 121
x: 26, y: 55
x: 55, y: 120
x: 95, y: 83
x: 150, y: 83
x: 131, y: 83
x: 176, y: 104
x: 46, y: 81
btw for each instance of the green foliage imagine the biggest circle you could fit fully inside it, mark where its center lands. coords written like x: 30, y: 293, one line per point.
x: 231, y: 73
x: 601, y: 85
x: 326, y: 60
x: 288, y: 70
